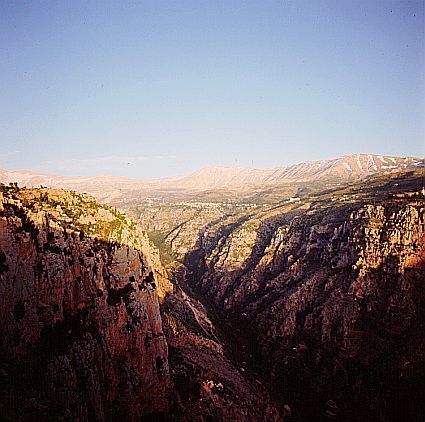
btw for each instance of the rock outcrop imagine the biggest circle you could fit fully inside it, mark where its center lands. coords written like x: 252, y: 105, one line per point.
x: 81, y: 333
x: 82, y: 291
x: 329, y: 303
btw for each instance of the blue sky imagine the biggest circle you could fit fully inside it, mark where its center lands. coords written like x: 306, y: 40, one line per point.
x: 157, y: 88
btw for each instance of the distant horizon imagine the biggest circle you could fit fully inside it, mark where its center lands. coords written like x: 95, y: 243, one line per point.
x: 47, y: 173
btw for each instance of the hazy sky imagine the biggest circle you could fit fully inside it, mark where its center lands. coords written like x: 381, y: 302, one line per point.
x: 157, y: 88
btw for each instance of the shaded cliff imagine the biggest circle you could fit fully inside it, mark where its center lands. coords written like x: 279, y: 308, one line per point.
x: 80, y: 325
x: 209, y: 384
x: 325, y: 299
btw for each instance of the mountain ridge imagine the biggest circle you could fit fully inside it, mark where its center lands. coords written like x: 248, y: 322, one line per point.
x: 217, y: 183
x: 286, y: 171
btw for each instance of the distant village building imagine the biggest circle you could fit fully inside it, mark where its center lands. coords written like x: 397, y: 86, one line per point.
x: 411, y: 194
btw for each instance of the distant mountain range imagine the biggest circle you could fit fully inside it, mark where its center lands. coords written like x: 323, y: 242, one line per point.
x: 108, y: 188
x: 352, y: 167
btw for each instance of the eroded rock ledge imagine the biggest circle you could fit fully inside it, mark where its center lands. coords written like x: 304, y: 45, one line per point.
x: 329, y: 303
x: 80, y: 325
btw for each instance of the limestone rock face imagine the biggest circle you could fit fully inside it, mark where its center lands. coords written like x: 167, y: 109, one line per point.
x: 330, y: 303
x: 319, y: 297
x: 80, y: 326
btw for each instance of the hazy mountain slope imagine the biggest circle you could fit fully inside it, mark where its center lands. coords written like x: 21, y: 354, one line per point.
x: 215, y: 183
x: 99, y: 186
x: 345, y: 168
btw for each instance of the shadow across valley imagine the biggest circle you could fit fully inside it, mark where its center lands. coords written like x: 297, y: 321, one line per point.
x: 325, y: 349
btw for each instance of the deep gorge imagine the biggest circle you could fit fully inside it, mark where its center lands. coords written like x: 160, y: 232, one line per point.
x: 296, y: 311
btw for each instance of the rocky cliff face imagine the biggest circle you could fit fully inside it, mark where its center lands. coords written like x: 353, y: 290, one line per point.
x: 309, y: 309
x: 80, y: 326
x: 320, y: 299
x: 329, y: 302
x: 82, y: 291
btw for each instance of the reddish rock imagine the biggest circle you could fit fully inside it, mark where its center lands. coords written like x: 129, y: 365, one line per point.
x: 81, y: 331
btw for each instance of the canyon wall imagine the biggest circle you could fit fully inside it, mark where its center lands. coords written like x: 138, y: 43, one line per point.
x: 92, y: 328
x: 80, y: 325
x: 329, y: 302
